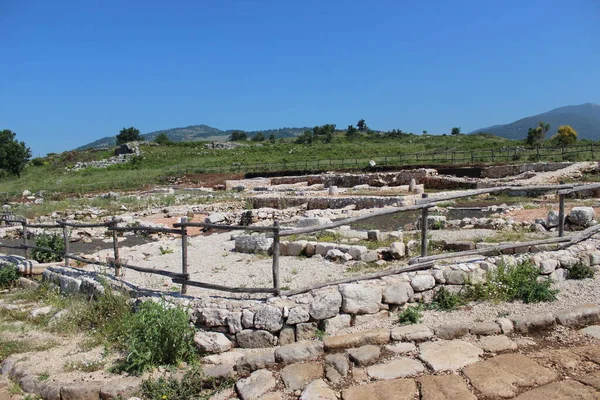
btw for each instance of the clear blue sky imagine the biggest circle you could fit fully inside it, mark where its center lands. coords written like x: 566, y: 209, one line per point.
x: 73, y: 71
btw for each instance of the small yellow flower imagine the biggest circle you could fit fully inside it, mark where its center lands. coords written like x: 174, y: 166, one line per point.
x: 164, y: 397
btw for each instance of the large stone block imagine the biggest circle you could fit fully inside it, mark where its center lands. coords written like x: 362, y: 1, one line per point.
x: 326, y: 304
x: 398, y: 293
x: 360, y: 299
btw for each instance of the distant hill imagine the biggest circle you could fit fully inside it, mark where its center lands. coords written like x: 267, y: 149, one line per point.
x: 584, y: 118
x: 195, y: 133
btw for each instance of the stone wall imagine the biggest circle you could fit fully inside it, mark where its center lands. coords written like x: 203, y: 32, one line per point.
x: 501, y: 171
x: 284, y: 320
x: 322, y: 202
x: 350, y: 180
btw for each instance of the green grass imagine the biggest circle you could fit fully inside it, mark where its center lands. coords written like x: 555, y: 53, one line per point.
x: 10, y: 346
x: 411, y: 315
x: 443, y: 300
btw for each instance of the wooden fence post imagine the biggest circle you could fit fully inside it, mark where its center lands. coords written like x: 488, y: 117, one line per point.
x: 424, y: 218
x: 276, y: 258
x: 184, y: 254
x: 118, y: 269
x: 67, y: 243
x: 561, y: 215
x: 24, y: 224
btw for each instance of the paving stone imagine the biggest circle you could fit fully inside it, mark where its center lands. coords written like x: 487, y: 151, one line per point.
x: 486, y: 328
x: 416, y: 333
x: 365, y: 355
x: 449, y: 355
x: 495, y: 344
x: 297, y: 376
x: 268, y: 396
x: 359, y: 374
x: 564, y: 358
x: 506, y: 325
x: 81, y: 391
x: 397, y: 389
x: 256, y: 385
x: 332, y: 374
x: 401, y: 348
x: 339, y: 362
x: 254, y: 361
x: 371, y: 319
x: 318, y: 390
x: 504, y: 375
x: 444, y: 387
x: 534, y: 322
x: 563, y: 390
x: 592, y: 352
x: 592, y: 379
x: 297, y: 352
x: 341, y: 342
x: 452, y: 331
x: 219, y: 372
x: 592, y: 330
x: 396, y: 368
x: 582, y: 315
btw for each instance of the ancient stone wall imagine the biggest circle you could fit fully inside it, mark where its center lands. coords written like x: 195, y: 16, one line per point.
x: 501, y: 171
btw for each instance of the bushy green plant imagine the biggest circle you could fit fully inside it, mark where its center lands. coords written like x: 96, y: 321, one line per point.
x: 580, y: 271
x: 410, y: 315
x: 513, y: 283
x: 193, y: 385
x: 52, y: 241
x: 8, y: 276
x: 444, y: 300
x: 157, y: 335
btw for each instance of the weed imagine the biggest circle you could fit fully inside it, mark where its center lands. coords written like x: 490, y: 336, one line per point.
x: 165, y: 250
x: 8, y: 276
x: 193, y: 385
x: 157, y: 335
x: 8, y: 347
x: 410, y: 315
x: 294, y: 271
x: 513, y: 283
x: 320, y: 334
x: 444, y: 300
x: 580, y: 271
x: 15, y: 389
x: 83, y: 366
x: 51, y: 241
x: 43, y: 377
x: 285, y: 288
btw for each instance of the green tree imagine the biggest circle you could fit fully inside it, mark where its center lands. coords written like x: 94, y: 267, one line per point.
x: 127, y: 135
x: 536, y: 135
x: 259, y: 137
x: 565, y: 135
x: 362, y: 125
x: 13, y: 154
x: 162, y: 139
x: 456, y: 131
x: 272, y: 138
x: 424, y: 132
x: 324, y: 132
x: 238, y: 136
x: 306, y: 138
x: 351, y: 132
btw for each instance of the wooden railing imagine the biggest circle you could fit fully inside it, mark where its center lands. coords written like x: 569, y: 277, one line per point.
x: 424, y: 261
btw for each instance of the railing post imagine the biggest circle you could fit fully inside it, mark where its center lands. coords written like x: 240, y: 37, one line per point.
x: 24, y: 224
x: 424, y: 222
x: 561, y: 215
x: 67, y: 243
x: 118, y: 269
x: 184, y: 254
x: 276, y: 258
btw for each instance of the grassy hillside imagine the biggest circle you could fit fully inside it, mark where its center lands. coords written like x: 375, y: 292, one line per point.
x: 158, y: 161
x: 195, y: 133
x: 584, y: 118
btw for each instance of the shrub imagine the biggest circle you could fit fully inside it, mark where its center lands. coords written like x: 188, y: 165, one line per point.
x: 410, y: 315
x: 51, y: 241
x: 193, y: 385
x: 8, y: 276
x: 514, y: 283
x: 156, y: 335
x: 580, y: 271
x: 443, y: 300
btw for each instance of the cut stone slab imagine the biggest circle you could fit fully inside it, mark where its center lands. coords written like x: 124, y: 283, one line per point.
x: 339, y: 362
x: 337, y: 323
x: 342, y: 342
x: 593, y: 331
x: 592, y: 380
x: 444, y: 387
x: 485, y: 328
x: 396, y: 368
x: 318, y: 390
x: 401, y: 348
x: 416, y: 333
x: 495, y: 344
x: 449, y: 355
x: 563, y: 390
x: 254, y: 339
x: 254, y: 361
x: 360, y: 299
x: 582, y: 315
x: 452, y: 331
x: 81, y: 391
x: 256, y: 385
x: 534, y: 322
x: 326, y: 304
x: 504, y: 375
x: 297, y: 352
x: 365, y: 355
x: 212, y: 342
x: 297, y: 376
x: 397, y: 389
